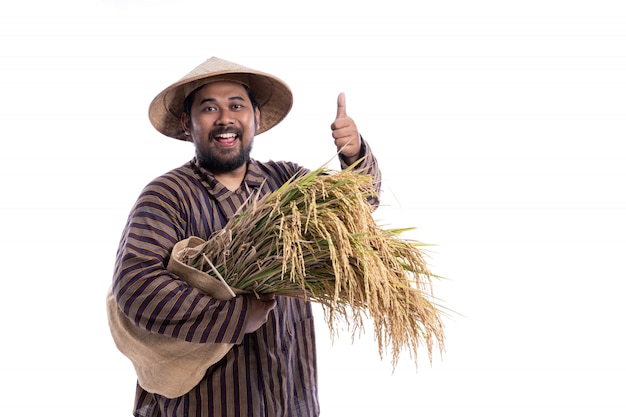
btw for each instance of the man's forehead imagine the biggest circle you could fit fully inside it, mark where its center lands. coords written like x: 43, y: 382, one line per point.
x: 223, y: 89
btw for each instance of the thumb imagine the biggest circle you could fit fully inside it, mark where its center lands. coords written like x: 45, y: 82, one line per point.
x: 341, y: 106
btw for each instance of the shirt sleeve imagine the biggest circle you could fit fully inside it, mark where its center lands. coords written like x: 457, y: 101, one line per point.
x: 367, y: 165
x: 156, y: 299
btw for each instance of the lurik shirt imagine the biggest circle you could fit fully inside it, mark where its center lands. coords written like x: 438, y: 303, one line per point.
x: 269, y: 373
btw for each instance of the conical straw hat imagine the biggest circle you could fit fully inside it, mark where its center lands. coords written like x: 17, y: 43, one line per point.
x: 272, y: 94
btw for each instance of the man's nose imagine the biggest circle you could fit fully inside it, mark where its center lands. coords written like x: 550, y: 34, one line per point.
x: 225, y: 117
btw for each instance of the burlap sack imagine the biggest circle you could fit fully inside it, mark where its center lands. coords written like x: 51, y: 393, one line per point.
x: 165, y: 365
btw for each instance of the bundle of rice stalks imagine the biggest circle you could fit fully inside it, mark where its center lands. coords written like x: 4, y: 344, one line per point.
x: 315, y: 239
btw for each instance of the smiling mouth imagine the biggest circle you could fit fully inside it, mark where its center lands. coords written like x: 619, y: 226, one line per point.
x: 226, y: 138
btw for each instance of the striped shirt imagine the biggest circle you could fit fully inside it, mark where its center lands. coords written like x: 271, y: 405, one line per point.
x: 271, y: 372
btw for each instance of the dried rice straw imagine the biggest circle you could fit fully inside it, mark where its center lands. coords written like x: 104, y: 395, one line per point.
x: 315, y: 239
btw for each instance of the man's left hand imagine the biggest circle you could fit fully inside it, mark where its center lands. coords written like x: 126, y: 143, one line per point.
x: 346, y: 135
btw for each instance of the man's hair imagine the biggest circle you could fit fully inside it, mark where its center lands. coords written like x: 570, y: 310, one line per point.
x: 189, y: 99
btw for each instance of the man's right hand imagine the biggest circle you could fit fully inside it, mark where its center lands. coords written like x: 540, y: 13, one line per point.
x: 258, y: 311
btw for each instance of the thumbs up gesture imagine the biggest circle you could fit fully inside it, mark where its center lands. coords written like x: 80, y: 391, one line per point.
x: 345, y: 133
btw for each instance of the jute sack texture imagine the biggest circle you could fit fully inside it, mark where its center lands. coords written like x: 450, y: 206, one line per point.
x: 165, y: 365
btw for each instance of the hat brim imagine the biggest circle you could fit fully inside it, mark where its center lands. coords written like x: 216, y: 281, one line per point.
x: 272, y: 94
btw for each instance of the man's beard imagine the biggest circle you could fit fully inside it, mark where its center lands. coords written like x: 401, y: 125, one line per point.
x: 217, y: 164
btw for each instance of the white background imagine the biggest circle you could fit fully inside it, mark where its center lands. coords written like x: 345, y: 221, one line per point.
x: 500, y: 129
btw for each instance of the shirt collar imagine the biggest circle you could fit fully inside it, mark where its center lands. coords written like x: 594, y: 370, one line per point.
x: 254, y: 177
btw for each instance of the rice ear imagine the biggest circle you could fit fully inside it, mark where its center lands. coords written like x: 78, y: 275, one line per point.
x: 315, y: 238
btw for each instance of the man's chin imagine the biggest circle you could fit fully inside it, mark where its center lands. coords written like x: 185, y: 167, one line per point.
x: 222, y: 165
x: 225, y: 161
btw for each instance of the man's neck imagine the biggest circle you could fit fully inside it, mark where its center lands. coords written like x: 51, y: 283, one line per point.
x: 232, y: 179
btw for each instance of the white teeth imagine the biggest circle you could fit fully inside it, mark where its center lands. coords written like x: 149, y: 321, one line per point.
x: 226, y: 135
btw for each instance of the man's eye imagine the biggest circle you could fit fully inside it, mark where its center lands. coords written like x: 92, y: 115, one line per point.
x: 236, y: 106
x: 208, y: 109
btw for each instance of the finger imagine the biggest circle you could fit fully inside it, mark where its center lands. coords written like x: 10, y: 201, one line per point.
x: 341, y: 106
x: 266, y: 297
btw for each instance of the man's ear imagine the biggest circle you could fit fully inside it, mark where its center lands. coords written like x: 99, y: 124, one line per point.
x: 257, y: 118
x: 184, y: 122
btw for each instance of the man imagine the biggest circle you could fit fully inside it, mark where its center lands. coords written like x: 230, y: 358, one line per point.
x: 271, y: 369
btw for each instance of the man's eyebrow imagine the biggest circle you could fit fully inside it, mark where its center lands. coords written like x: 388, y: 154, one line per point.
x: 212, y: 100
